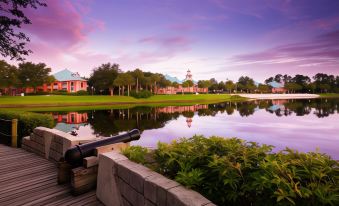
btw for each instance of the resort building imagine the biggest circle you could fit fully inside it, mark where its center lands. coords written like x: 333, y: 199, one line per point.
x: 181, y: 89
x: 277, y: 87
x: 66, y: 81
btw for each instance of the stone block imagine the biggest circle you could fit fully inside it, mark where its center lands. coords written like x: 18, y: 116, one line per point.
x: 137, y: 177
x: 107, y: 190
x: 37, y: 138
x: 182, y: 196
x: 124, y: 169
x: 149, y: 203
x: 156, y: 186
x: 135, y: 198
x: 40, y: 131
x: 125, y: 202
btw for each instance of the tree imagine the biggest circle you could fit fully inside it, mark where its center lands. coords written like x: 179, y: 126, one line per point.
x: 264, y: 88
x: 229, y: 85
x: 221, y: 86
x: 204, y: 83
x: 119, y: 82
x: 129, y: 81
x: 154, y: 79
x: 246, y: 83
x: 12, y: 42
x: 164, y: 82
x: 103, y: 77
x: 175, y: 84
x: 8, y: 75
x: 138, y: 75
x: 302, y: 81
x: 293, y: 87
x: 188, y: 83
x: 213, y: 84
x: 33, y: 75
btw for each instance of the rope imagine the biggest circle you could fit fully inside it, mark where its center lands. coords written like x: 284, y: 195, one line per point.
x: 5, y: 120
x: 3, y: 134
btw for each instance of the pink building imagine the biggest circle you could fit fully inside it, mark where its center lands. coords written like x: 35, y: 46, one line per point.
x: 181, y: 89
x: 66, y: 81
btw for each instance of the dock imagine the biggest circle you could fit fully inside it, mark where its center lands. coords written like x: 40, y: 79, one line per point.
x: 28, y: 179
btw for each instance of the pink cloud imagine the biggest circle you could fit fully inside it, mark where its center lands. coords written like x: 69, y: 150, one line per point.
x: 326, y: 23
x: 169, y: 41
x: 60, y: 23
x: 322, y: 49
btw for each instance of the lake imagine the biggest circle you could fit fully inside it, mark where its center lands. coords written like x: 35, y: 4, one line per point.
x: 304, y: 125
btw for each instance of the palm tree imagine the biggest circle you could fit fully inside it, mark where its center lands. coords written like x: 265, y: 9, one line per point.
x: 119, y: 82
x: 154, y: 79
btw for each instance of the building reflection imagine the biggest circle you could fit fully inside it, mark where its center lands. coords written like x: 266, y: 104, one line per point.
x: 70, y: 122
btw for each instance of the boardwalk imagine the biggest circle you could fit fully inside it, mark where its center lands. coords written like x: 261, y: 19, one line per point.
x: 28, y: 179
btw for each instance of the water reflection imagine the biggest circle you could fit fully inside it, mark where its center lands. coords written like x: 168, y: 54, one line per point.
x: 300, y: 124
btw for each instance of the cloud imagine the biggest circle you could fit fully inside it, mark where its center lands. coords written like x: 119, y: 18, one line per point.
x: 324, y: 49
x: 60, y: 23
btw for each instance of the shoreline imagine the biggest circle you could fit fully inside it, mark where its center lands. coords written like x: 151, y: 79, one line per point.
x: 279, y: 96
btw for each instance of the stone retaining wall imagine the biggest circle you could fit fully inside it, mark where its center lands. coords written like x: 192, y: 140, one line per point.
x: 123, y: 182
x: 49, y: 143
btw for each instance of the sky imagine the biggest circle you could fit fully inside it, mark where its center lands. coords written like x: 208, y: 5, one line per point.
x: 222, y: 39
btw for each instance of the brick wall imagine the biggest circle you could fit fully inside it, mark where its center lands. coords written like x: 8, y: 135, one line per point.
x: 123, y: 182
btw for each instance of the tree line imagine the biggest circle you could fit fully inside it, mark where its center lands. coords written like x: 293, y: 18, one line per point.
x: 110, y: 79
x: 25, y: 75
x: 319, y: 83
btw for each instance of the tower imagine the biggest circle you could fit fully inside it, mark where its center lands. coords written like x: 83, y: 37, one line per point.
x: 188, y: 76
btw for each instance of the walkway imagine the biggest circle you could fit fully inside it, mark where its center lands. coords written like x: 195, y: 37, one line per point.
x: 278, y: 96
x: 28, y: 179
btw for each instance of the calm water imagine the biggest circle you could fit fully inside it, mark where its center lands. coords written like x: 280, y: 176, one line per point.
x: 300, y: 124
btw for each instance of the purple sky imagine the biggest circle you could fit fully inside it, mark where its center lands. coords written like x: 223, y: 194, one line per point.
x: 214, y: 38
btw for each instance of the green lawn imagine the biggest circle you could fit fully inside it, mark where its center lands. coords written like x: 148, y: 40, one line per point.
x: 330, y: 95
x: 63, y: 101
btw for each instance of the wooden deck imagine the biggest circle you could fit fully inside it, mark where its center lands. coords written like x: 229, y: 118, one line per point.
x: 28, y: 179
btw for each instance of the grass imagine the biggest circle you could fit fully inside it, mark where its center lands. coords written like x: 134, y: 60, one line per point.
x: 329, y: 95
x: 32, y: 102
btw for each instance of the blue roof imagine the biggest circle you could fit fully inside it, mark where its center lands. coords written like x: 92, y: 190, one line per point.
x: 275, y: 84
x: 173, y: 79
x: 66, y: 75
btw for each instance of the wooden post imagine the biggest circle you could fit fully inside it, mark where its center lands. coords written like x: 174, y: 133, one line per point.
x: 14, y: 133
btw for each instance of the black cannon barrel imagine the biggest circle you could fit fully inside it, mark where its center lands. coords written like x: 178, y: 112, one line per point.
x: 74, y: 156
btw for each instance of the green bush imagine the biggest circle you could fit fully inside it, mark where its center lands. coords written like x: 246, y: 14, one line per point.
x: 143, y: 94
x: 236, y: 172
x: 37, y: 93
x: 136, y: 154
x: 79, y: 93
x: 27, y: 121
x: 59, y: 92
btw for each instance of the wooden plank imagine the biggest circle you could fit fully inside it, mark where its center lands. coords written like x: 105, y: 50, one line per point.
x: 90, y: 161
x: 83, y: 179
x: 28, y: 179
x: 109, y: 148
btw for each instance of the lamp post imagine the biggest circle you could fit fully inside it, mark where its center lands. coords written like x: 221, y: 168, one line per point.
x: 92, y: 90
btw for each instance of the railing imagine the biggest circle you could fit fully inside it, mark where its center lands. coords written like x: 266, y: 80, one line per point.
x: 9, y: 130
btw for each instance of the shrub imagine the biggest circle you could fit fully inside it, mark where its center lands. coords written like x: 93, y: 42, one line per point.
x: 79, y: 93
x: 37, y: 93
x: 27, y: 121
x: 136, y: 154
x: 236, y: 172
x: 59, y: 92
x: 143, y: 94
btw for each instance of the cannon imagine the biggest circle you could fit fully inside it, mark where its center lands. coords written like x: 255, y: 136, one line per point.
x: 74, y: 156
